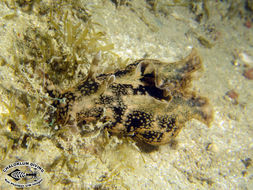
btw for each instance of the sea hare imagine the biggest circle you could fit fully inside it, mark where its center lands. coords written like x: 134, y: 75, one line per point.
x: 148, y: 100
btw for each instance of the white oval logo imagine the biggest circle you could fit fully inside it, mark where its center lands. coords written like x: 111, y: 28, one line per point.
x: 23, y: 174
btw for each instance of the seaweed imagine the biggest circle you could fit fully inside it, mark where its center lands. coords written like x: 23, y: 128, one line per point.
x: 237, y: 8
x: 200, y: 8
x: 24, y: 5
x: 19, y: 120
x: 164, y: 7
x: 60, y: 50
x: 206, y: 43
x: 121, y: 2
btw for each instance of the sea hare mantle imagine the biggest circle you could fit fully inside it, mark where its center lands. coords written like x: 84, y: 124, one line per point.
x: 148, y: 100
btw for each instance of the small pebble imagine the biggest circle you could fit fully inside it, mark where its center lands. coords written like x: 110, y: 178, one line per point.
x: 212, y: 147
x: 248, y: 59
x: 248, y: 24
x: 232, y: 94
x: 248, y: 74
x: 236, y: 62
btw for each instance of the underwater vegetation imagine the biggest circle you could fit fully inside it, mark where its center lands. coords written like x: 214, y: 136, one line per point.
x: 61, y: 50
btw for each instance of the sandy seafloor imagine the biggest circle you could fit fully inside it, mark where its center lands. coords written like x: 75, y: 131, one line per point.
x: 204, y: 158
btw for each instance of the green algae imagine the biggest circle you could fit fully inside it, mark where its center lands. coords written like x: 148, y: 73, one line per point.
x: 59, y: 51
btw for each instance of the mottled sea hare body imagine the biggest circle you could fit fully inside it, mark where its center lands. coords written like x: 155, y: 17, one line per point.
x: 148, y: 100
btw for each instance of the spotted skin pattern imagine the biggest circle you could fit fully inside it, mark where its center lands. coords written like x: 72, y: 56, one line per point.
x: 148, y: 100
